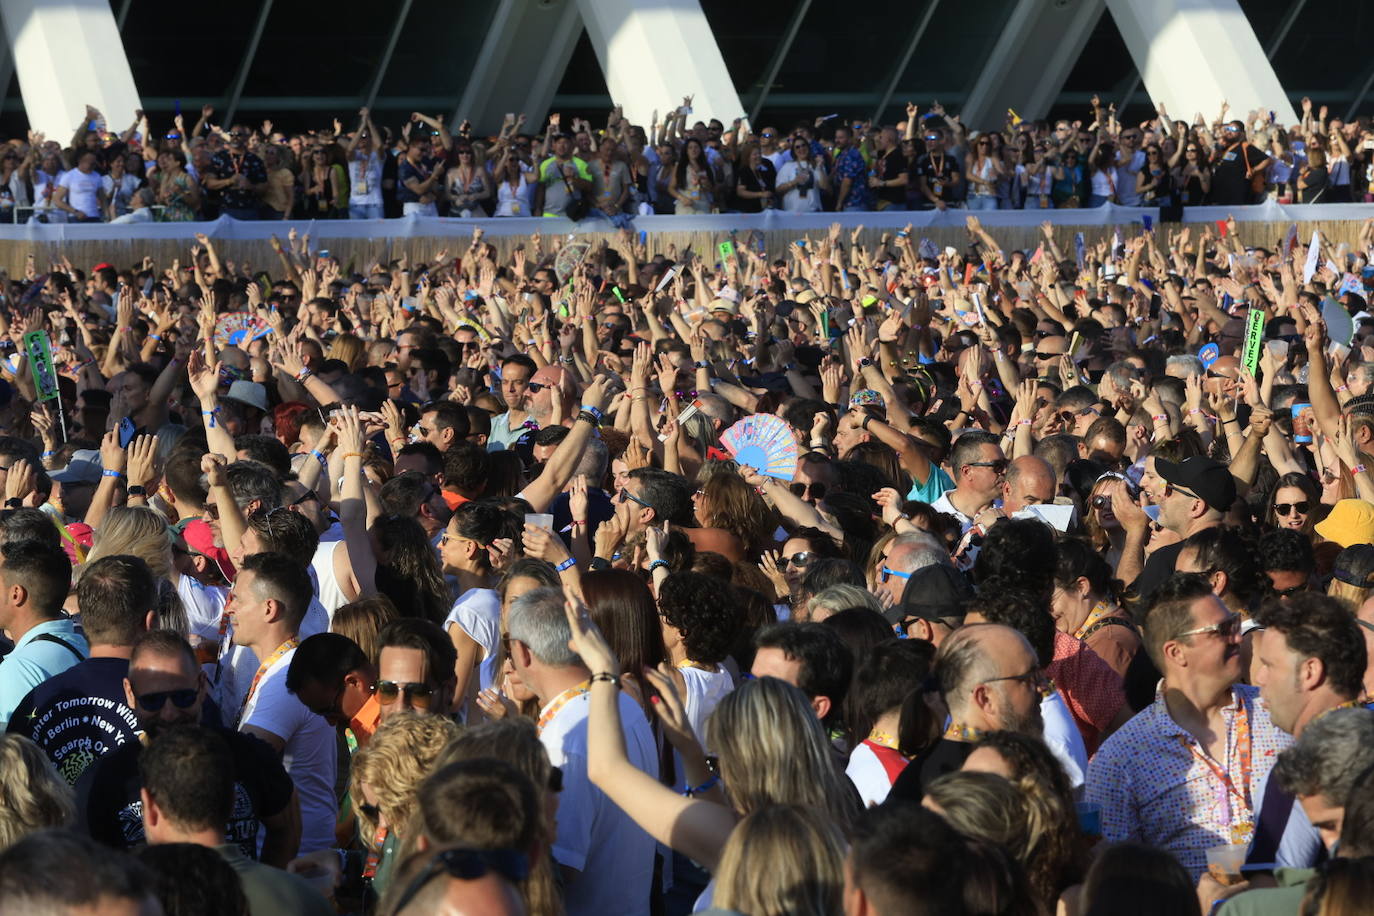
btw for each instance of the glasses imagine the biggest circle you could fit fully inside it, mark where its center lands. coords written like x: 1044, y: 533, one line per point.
x: 417, y: 695
x: 1034, y: 679
x: 932, y: 138
x: 884, y: 574
x: 1227, y: 628
x: 800, y: 560
x: 1039, y: 355
x: 999, y: 466
x: 626, y: 494
x: 181, y: 699
x: 1173, y: 487
x: 536, y: 387
x: 816, y: 490
x: 1301, y: 508
x: 1291, y: 590
x: 333, y: 709
x: 467, y: 865
x: 1069, y: 416
x: 306, y: 497
x: 768, y: 136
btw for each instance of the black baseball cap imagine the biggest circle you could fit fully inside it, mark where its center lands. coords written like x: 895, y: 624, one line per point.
x: 934, y: 593
x: 1209, y: 479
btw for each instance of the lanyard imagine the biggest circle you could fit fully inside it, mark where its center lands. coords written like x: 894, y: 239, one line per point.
x: 883, y: 739
x: 563, y: 699
x: 964, y: 733
x: 272, y: 659
x: 1100, y: 610
x: 374, y: 855
x: 1243, y: 752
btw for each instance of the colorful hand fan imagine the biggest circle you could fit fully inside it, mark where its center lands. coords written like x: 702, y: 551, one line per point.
x: 238, y: 329
x: 764, y: 442
x: 569, y: 256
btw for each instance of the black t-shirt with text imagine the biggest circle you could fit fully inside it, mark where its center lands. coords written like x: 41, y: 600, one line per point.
x: 78, y: 716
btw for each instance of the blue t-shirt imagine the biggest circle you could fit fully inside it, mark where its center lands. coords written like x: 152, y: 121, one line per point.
x: 78, y: 716
x: 935, y: 486
x: 36, y: 659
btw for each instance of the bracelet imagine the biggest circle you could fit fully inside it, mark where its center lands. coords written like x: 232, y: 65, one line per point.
x: 210, y: 424
x: 1193, y: 411
x: 566, y: 565
x: 111, y: 472
x: 656, y: 564
x: 606, y: 677
x: 1160, y: 417
x: 1224, y: 421
x: 576, y: 524
x: 594, y: 411
x: 348, y: 455
x: 154, y: 336
x: 1357, y: 469
x: 304, y: 374
x: 1342, y: 388
x: 320, y: 457
x: 863, y: 424
x: 704, y: 787
x: 590, y: 418
x: 48, y: 454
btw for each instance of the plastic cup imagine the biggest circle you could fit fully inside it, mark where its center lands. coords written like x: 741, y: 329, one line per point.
x: 1090, y: 818
x: 539, y: 520
x: 1224, y: 862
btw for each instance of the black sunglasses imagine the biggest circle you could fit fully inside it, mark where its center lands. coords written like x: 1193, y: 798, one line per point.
x: 999, y: 466
x: 800, y: 489
x: 800, y: 560
x: 181, y: 699
x: 1301, y: 507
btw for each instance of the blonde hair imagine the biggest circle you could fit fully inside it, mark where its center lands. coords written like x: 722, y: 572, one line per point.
x: 32, y: 795
x: 362, y: 621
x: 841, y: 597
x: 134, y: 531
x: 1349, y: 596
x: 394, y: 763
x: 348, y: 349
x: 782, y: 860
x: 984, y: 806
x: 773, y: 751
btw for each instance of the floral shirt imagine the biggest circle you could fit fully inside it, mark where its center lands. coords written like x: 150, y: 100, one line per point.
x: 1157, y: 785
x: 851, y: 165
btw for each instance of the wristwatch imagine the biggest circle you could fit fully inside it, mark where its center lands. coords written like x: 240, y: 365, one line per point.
x: 137, y: 490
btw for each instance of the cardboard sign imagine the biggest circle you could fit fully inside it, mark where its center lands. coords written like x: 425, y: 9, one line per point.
x: 1254, y: 340
x: 39, y: 352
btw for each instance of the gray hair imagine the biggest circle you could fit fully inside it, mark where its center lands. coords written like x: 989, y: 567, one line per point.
x: 592, y: 464
x: 842, y: 597
x: 250, y: 480
x: 962, y: 663
x: 1364, y: 371
x: 915, y: 550
x: 537, y: 620
x: 1190, y: 365
x: 1331, y: 754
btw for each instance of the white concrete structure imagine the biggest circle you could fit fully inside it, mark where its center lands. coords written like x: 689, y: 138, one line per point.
x: 68, y: 54
x: 653, y: 54
x: 1037, y: 49
x: 1195, y: 54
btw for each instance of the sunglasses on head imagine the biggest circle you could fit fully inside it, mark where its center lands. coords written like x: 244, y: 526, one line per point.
x: 1301, y: 507
x: 418, y: 695
x: 181, y: 699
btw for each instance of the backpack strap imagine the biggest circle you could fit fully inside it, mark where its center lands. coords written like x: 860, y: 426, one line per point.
x: 48, y: 637
x: 1106, y: 622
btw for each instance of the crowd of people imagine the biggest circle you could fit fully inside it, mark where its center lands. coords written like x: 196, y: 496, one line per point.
x: 851, y: 578
x: 677, y: 164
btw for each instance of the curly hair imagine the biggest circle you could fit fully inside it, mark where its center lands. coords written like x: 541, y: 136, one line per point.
x: 394, y: 763
x: 1020, y: 550
x: 703, y: 610
x: 1051, y: 813
x: 32, y: 795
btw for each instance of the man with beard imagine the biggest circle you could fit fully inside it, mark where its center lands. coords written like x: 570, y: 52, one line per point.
x: 166, y: 688
x: 991, y: 681
x: 238, y: 175
x: 1188, y: 771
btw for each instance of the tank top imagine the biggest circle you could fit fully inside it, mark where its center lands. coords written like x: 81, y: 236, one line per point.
x: 322, y: 571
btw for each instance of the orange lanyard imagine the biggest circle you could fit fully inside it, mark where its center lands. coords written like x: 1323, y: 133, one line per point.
x: 1100, y: 610
x: 1242, y: 751
x: 374, y: 855
x: 563, y: 699
x: 272, y: 659
x: 883, y: 739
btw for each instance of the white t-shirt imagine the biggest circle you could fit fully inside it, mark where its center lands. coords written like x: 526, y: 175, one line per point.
x: 83, y: 190
x: 326, y: 583
x: 614, y: 856
x: 365, y: 179
x: 204, y: 606
x: 1063, y: 738
x: 477, y: 612
x: 237, y: 664
x: 43, y: 187
x: 704, y: 691
x: 795, y: 201
x: 310, y: 757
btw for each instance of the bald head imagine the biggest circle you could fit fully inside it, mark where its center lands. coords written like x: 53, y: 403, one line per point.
x: 1030, y: 481
x: 975, y: 655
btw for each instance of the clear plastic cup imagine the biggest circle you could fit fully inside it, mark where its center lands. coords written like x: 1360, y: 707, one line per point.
x: 1224, y: 862
x: 539, y: 520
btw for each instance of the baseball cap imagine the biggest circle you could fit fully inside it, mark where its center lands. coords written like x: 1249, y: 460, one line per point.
x: 1355, y: 566
x: 1351, y: 522
x: 84, y: 467
x: 1209, y: 479
x: 932, y: 593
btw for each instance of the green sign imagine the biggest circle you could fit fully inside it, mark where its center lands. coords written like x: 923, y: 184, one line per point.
x: 39, y: 352
x: 727, y: 251
x: 1254, y: 339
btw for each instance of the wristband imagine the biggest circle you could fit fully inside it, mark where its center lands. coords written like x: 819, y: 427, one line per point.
x: 136, y: 490
x: 1342, y: 388
x: 1193, y: 411
x: 320, y: 457
x: 210, y: 423
x: 14, y: 502
x: 1357, y: 469
x: 576, y: 524
x: 48, y: 454
x: 1023, y: 422
x: 656, y: 564
x: 1160, y: 417
x: 605, y: 676
x: 110, y: 472
x: 599, y: 563
x: 705, y: 786
x: 566, y: 565
x: 304, y: 374
x: 154, y: 336
x: 594, y: 411
x: 591, y: 417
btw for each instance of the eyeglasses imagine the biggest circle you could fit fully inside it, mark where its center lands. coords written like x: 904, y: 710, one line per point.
x: 800, y: 560
x: 306, y: 497
x: 999, y: 466
x: 884, y: 574
x: 467, y: 865
x: 1039, y: 355
x: 816, y: 490
x: 1034, y: 679
x: 1301, y: 508
x: 417, y: 695
x: 181, y: 699
x: 1173, y: 487
x: 1227, y: 628
x: 768, y: 136
x: 1291, y: 590
x: 626, y: 494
